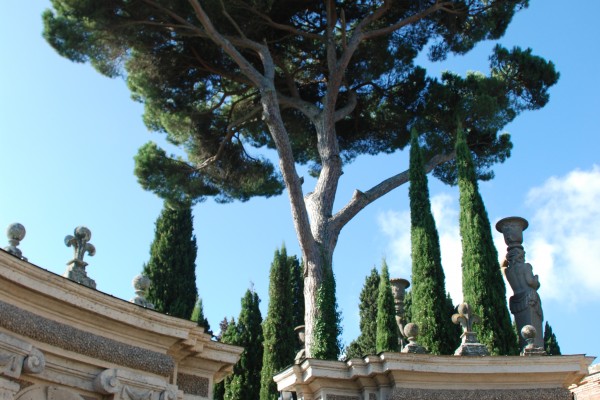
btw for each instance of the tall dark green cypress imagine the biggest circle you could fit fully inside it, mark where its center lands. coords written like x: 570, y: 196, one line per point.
x: 429, y: 307
x: 387, y: 329
x: 550, y: 343
x: 172, y: 264
x: 297, y: 293
x: 244, y: 383
x: 327, y: 345
x: 365, y: 343
x: 483, y: 286
x: 229, y: 335
x: 280, y: 343
x: 198, y: 316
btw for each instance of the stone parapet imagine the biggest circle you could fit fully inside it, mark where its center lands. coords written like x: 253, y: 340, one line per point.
x: 61, y: 339
x: 423, y: 376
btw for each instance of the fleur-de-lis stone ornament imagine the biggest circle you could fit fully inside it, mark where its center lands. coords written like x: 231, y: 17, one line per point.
x: 15, y: 233
x: 470, y: 346
x: 76, y: 267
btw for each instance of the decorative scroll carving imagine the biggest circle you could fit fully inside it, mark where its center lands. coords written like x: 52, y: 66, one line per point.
x: 128, y: 386
x: 35, y: 362
x: 18, y: 356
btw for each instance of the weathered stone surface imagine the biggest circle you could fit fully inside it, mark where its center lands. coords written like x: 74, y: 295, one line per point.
x: 589, y: 387
x: 191, y: 384
x: 69, y: 338
x: 520, y: 394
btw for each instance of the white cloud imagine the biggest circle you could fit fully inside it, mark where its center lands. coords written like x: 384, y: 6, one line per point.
x: 563, y: 241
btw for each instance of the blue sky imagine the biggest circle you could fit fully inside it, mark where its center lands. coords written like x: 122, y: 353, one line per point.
x: 68, y: 136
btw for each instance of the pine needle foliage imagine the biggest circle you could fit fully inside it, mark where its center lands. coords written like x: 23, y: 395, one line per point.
x: 172, y: 264
x: 429, y: 300
x: 483, y: 286
x: 387, y: 329
x: 327, y: 344
x: 550, y: 343
x: 365, y: 343
x: 280, y: 344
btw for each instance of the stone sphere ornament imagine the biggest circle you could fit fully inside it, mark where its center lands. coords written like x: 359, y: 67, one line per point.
x: 15, y: 233
x: 411, y: 330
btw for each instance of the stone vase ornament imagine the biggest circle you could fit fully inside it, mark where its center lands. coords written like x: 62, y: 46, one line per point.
x: 525, y: 303
x: 301, y: 354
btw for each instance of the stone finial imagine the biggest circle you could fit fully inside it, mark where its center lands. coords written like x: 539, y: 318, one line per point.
x: 15, y: 233
x: 76, y: 267
x: 529, y: 333
x: 411, y: 331
x: 470, y: 346
x: 141, y: 283
x: 301, y: 355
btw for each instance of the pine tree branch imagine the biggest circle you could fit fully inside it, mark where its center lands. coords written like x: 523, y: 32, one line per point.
x: 360, y: 199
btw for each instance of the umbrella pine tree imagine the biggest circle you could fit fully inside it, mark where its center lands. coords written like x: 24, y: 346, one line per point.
x: 483, y: 286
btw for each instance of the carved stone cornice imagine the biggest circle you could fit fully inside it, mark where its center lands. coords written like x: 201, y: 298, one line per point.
x: 126, y: 385
x: 18, y: 356
x: 69, y: 338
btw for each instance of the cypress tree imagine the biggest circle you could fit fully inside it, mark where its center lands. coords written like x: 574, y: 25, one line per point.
x: 328, y: 329
x: 365, y: 343
x: 297, y: 293
x: 550, y: 343
x: 280, y: 343
x: 198, y: 316
x: 429, y: 308
x: 244, y: 383
x: 387, y: 329
x: 483, y: 286
x: 227, y: 335
x: 172, y: 264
